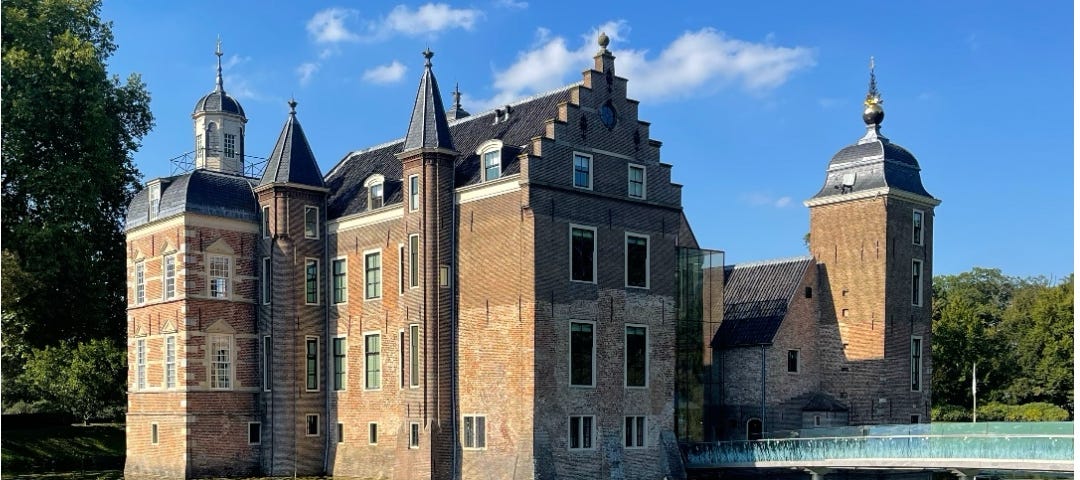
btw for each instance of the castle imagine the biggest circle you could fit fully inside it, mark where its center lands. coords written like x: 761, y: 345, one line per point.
x: 511, y: 294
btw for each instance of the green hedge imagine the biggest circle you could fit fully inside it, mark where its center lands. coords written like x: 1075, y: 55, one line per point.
x: 1000, y: 412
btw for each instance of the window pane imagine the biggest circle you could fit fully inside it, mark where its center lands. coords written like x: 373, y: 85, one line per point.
x: 582, y: 168
x: 916, y: 227
x: 916, y: 283
x: 140, y: 283
x: 469, y: 439
x: 635, y: 356
x: 373, y: 433
x: 339, y: 364
x: 375, y: 196
x: 311, y: 222
x: 265, y: 280
x: 268, y: 362
x: 582, y: 250
x: 581, y: 354
x: 575, y: 432
x: 636, y: 184
x: 170, y: 276
x: 312, y: 282
x: 586, y: 432
x: 340, y: 283
x: 491, y: 165
x: 414, y: 192
x: 637, y: 261
x: 414, y: 353
x: 414, y: 260
x: 312, y: 424
x: 373, y: 280
x: 266, y: 221
x: 219, y: 277
x: 793, y: 361
x: 640, y: 431
x: 312, y: 364
x: 372, y: 362
x: 170, y: 361
x: 481, y: 435
x: 628, y: 431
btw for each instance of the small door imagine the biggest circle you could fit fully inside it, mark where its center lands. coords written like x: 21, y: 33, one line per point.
x: 753, y: 429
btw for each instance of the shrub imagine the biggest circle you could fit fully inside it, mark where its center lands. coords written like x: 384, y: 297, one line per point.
x: 950, y: 413
x: 1039, y: 412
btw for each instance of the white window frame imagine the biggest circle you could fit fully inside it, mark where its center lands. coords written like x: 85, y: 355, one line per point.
x: 265, y: 279
x: 497, y: 151
x: 307, y: 421
x: 414, y: 261
x: 373, y: 428
x: 365, y: 256
x: 314, y: 235
x: 644, y: 181
x: 482, y: 439
x: 402, y: 265
x: 168, y: 282
x: 267, y: 359
x: 414, y: 442
x: 333, y: 278
x: 155, y: 434
x: 169, y: 366
x: 918, y: 370
x: 344, y: 363
x: 414, y: 193
x: 318, y: 274
x: 626, y: 260
x: 229, y: 144
x: 595, y: 241
x: 917, y: 287
x: 414, y: 355
x: 922, y: 227
x: 227, y: 294
x: 367, y: 334
x: 798, y: 361
x: 318, y: 371
x: 140, y: 364
x: 570, y: 354
x: 581, y: 433
x: 626, y: 356
x: 573, y: 171
x: 634, y: 431
x: 140, y: 282
x: 256, y: 442
x: 369, y: 186
x: 230, y: 370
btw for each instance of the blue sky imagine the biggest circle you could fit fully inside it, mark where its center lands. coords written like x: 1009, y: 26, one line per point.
x: 750, y: 99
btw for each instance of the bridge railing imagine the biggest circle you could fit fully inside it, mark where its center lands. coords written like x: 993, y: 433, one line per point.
x: 1052, y: 442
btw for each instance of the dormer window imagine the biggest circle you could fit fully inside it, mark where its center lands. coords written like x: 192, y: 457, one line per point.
x: 491, y: 159
x: 155, y: 198
x: 374, y: 186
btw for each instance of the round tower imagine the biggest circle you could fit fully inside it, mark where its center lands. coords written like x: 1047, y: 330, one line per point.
x: 219, y: 128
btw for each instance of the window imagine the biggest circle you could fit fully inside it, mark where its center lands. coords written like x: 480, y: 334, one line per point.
x: 312, y: 424
x: 817, y: 420
x: 414, y: 355
x: 155, y: 198
x: 635, y: 183
x: 153, y: 434
x: 917, y: 227
x: 169, y: 262
x: 254, y: 433
x: 372, y: 362
x: 581, y: 432
x: 373, y: 433
x: 916, y: 364
x: 414, y: 261
x: 267, y: 362
x: 475, y: 431
x: 375, y: 196
x: 170, y: 361
x: 339, y: 363
x: 414, y: 435
x: 401, y: 357
x: 637, y: 356
x: 582, y: 171
x: 492, y: 165
x: 582, y: 254
x: 311, y: 283
x: 637, y: 261
x: 414, y: 193
x: 312, y: 350
x: 444, y: 275
x: 916, y: 283
x: 199, y: 147
x: 264, y: 281
x: 915, y: 419
x: 340, y: 433
x: 634, y: 432
x: 401, y: 269
x: 372, y: 275
x: 230, y: 145
x: 219, y: 277
x: 213, y: 143
x: 266, y: 222
x: 581, y: 354
x: 140, y: 364
x: 339, y: 270
x: 793, y: 361
x: 140, y: 283
x: 311, y: 222
x: 220, y: 362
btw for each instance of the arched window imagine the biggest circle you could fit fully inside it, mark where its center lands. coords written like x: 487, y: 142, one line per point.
x: 753, y: 429
x: 213, y: 143
x: 374, y: 186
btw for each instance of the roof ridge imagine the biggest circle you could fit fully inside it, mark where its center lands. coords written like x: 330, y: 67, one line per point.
x: 530, y: 98
x: 771, y: 261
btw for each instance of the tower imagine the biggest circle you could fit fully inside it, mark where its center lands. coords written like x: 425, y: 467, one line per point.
x: 219, y: 128
x: 871, y: 232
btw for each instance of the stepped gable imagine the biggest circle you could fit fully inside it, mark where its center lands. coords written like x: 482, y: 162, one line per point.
x: 756, y: 298
x: 292, y: 160
x: 199, y: 191
x: 526, y: 120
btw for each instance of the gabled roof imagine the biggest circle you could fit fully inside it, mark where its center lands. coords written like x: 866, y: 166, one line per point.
x: 199, y: 191
x: 756, y: 298
x: 292, y: 160
x: 427, y: 126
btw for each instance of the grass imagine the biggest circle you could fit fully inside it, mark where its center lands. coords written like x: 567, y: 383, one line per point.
x: 62, y: 448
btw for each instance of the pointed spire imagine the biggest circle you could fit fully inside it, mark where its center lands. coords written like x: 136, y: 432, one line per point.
x: 873, y: 114
x: 292, y: 160
x: 220, y: 86
x: 456, y: 112
x: 427, y: 126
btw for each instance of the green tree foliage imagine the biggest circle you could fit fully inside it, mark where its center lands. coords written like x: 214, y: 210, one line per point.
x: 80, y: 379
x: 68, y: 133
x: 1039, y: 328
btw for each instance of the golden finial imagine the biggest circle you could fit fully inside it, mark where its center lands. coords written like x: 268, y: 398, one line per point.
x: 873, y: 114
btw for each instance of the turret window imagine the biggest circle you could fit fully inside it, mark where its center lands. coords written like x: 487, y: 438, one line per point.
x: 916, y: 283
x: 311, y: 282
x: 199, y: 147
x: 414, y: 193
x: 219, y: 277
x: 220, y: 362
x: 230, y: 145
x: 917, y: 227
x: 311, y: 222
x: 213, y: 143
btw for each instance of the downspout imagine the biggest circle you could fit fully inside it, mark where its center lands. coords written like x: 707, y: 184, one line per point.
x: 450, y: 275
x: 328, y: 354
x: 763, y: 390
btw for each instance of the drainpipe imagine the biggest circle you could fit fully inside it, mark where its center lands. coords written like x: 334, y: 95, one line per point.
x: 763, y: 390
x: 328, y: 354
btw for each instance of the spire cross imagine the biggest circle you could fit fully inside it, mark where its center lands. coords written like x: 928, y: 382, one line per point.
x: 220, y: 86
x: 427, y: 56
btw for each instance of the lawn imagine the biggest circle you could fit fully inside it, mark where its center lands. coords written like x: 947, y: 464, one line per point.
x: 62, y: 448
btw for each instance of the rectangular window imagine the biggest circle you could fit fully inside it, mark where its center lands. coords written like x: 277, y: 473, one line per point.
x: 414, y: 193
x: 312, y: 350
x: 339, y: 271
x: 582, y: 171
x: 170, y: 276
x: 793, y: 361
x: 414, y: 261
x: 219, y: 277
x: 916, y: 364
x: 153, y: 434
x: 414, y: 355
x: 155, y: 198
x: 199, y: 150
x: 220, y: 362
x: 401, y: 269
x: 916, y: 283
x: 582, y: 254
x: 475, y: 431
x: 267, y: 362
x: 339, y: 363
x: 634, y: 432
x: 312, y: 424
x: 140, y: 364
x: 637, y: 356
x: 581, y: 354
x: 372, y: 275
x: 917, y: 227
x: 340, y: 433
x: 637, y: 261
x: 311, y: 222
x: 401, y: 358
x: 414, y: 435
x: 311, y: 281
x: 266, y: 222
x: 140, y: 283
x: 254, y: 433
x: 492, y: 169
x: 230, y: 145
x: 170, y: 361
x: 264, y: 281
x: 915, y: 419
x: 372, y: 361
x: 581, y: 432
x: 373, y: 433
x: 375, y: 196
x: 635, y: 187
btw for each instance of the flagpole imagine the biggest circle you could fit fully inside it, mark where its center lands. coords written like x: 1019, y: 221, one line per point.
x: 974, y: 392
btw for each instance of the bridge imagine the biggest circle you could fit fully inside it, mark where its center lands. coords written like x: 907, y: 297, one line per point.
x: 965, y: 449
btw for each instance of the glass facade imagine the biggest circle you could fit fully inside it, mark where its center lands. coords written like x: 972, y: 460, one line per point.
x: 699, y: 308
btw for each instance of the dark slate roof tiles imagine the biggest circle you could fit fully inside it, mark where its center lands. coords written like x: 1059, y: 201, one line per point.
x: 875, y: 162
x: 756, y: 298
x: 427, y: 126
x: 218, y: 101
x: 292, y: 160
x: 199, y: 191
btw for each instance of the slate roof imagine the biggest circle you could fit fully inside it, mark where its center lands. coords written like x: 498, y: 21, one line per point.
x: 756, y: 298
x: 525, y: 121
x: 292, y: 160
x: 199, y: 191
x: 875, y: 162
x: 218, y: 101
x: 427, y: 126
x: 823, y: 402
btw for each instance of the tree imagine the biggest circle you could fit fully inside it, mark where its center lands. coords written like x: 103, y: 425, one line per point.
x: 1039, y: 326
x: 81, y: 379
x: 68, y: 134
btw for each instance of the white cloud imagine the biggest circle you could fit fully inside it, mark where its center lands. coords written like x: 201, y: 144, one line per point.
x: 765, y: 199
x: 328, y: 26
x: 383, y: 74
x: 306, y: 71
x: 428, y: 19
x: 511, y: 4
